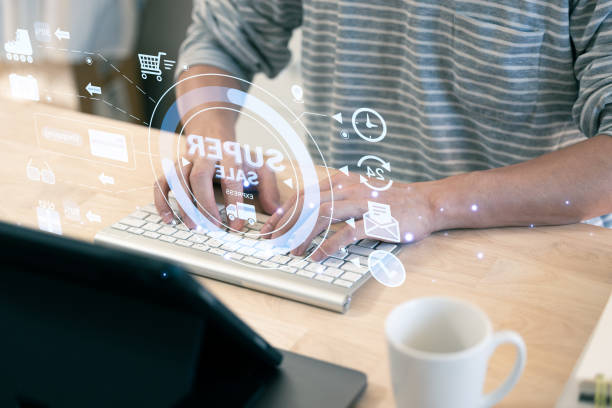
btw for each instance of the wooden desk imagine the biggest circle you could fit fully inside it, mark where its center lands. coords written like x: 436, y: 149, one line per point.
x: 549, y: 284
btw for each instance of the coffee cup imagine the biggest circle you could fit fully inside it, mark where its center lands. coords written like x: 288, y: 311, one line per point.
x: 439, y: 349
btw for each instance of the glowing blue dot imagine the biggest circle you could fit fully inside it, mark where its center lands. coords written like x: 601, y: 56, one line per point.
x: 531, y: 226
x: 279, y: 211
x: 164, y: 275
x: 339, y: 186
x: 474, y: 207
x: 567, y: 202
x: 374, y: 194
x: 480, y: 255
x: 441, y: 209
x: 246, y: 183
x: 409, y: 237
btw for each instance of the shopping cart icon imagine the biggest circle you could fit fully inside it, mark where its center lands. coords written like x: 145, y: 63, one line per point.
x: 149, y: 64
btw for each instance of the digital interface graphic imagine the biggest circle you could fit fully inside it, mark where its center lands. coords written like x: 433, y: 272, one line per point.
x: 171, y: 149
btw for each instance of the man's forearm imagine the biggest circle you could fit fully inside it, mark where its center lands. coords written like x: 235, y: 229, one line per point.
x: 566, y: 186
x: 216, y: 121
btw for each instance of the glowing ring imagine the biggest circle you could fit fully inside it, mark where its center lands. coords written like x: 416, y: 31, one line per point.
x: 312, y: 197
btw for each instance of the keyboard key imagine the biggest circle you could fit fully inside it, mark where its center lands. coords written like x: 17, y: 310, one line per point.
x: 385, y: 246
x: 265, y: 255
x: 367, y: 243
x: 184, y: 243
x: 298, y: 263
x: 307, y: 274
x: 182, y: 227
x: 230, y: 246
x: 133, y: 222
x: 359, y: 250
x: 151, y: 227
x: 167, y: 230
x: 218, y: 234
x: 154, y: 218
x: 251, y: 260
x: 354, y: 268
x: 120, y: 227
x: 246, y: 251
x: 135, y: 230
x: 151, y: 234
x: 342, y: 282
x: 333, y: 262
x: 334, y: 272
x: 198, y: 239
x: 287, y: 269
x: 315, y: 267
x: 232, y: 238
x: 215, y: 243
x: 324, y: 278
x: 167, y: 238
x: 351, y: 276
x: 339, y: 254
x: 139, y: 214
x: 248, y: 242
x: 217, y: 251
x: 362, y: 259
x: 269, y: 264
x: 182, y: 234
x: 233, y: 256
x: 201, y: 247
x: 281, y: 259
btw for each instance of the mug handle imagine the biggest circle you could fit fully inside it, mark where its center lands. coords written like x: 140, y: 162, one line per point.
x: 498, y: 339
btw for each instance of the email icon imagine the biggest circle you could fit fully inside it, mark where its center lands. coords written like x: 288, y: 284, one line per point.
x: 378, y: 223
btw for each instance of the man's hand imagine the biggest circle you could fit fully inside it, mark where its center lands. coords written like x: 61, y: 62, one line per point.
x: 409, y: 203
x: 197, y: 177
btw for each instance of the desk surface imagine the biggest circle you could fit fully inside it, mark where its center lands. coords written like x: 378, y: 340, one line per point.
x: 549, y: 284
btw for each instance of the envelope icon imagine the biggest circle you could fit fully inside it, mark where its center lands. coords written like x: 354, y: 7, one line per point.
x: 378, y: 223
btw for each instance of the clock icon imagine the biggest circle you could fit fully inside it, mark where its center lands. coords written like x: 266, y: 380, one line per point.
x: 369, y: 125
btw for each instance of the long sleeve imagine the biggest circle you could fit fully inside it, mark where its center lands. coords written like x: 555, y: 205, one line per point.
x: 243, y: 37
x: 591, y: 34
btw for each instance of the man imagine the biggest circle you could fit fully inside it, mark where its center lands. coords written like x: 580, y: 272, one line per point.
x: 498, y: 112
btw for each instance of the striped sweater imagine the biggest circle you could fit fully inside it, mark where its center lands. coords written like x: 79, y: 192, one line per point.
x: 462, y: 85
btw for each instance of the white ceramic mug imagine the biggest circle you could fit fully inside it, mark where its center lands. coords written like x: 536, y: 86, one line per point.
x: 439, y: 349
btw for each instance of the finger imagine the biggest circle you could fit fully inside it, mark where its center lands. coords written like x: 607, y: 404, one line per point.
x: 269, y: 196
x: 279, y: 212
x: 290, y: 218
x: 184, y: 171
x: 339, y: 212
x: 201, y: 182
x: 341, y: 239
x: 160, y: 198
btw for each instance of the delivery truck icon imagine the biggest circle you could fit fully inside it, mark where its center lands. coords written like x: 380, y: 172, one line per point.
x: 241, y: 211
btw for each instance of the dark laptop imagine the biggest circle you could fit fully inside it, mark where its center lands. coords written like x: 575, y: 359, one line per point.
x: 86, y: 326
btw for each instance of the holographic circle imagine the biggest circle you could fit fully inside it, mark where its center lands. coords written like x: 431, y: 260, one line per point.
x: 308, y: 217
x: 386, y: 268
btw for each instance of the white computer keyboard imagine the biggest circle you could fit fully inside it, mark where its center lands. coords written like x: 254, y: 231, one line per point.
x: 344, y: 268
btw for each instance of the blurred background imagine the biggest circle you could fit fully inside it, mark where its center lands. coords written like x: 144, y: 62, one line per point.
x: 77, y: 43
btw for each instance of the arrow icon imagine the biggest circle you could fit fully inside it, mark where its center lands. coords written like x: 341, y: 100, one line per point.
x: 185, y: 162
x: 92, y: 217
x: 92, y: 89
x: 104, y: 179
x: 344, y: 170
x: 289, y: 182
x: 355, y: 261
x: 351, y: 222
x: 362, y: 179
x: 338, y: 117
x: 62, y: 35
